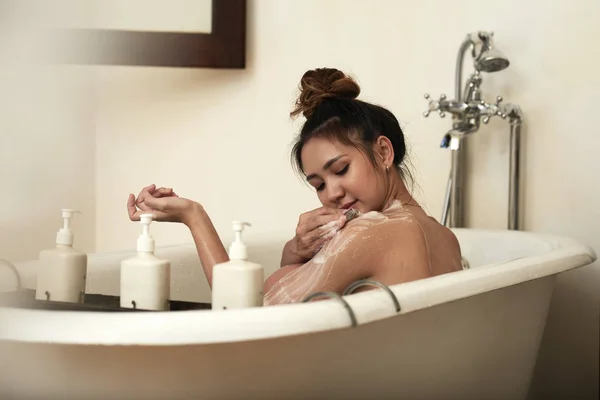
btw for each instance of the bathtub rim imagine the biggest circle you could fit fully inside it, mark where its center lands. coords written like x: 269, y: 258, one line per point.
x: 212, y: 327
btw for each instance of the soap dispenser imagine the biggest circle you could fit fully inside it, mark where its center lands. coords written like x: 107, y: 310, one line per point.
x: 237, y: 283
x: 62, y: 271
x: 145, y: 278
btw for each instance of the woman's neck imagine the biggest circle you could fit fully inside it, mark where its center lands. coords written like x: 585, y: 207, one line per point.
x: 398, y: 191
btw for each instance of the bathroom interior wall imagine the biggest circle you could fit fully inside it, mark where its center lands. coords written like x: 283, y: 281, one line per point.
x: 47, y: 148
x: 222, y: 137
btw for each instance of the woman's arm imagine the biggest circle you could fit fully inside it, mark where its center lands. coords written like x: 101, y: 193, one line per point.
x: 345, y: 259
x: 167, y: 206
x: 390, y: 253
x: 208, y: 244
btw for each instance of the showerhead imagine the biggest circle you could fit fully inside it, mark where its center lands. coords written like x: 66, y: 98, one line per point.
x: 491, y: 60
x: 487, y: 57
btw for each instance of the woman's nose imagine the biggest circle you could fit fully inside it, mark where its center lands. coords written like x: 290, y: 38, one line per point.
x: 335, y: 193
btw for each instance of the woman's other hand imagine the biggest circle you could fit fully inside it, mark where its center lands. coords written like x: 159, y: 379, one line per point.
x: 164, y: 203
x: 316, y: 228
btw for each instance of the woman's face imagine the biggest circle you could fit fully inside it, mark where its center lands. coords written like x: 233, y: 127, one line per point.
x: 342, y: 176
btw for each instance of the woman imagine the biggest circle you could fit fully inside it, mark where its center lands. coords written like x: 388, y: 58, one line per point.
x: 352, y: 153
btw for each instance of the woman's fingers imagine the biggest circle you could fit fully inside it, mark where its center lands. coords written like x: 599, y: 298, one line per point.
x: 323, y: 223
x: 313, y: 240
x: 321, y: 216
x: 157, y: 203
x: 315, y: 228
x: 131, y: 208
x: 146, y: 190
x: 150, y: 192
x: 164, y: 192
x: 328, y: 221
x: 327, y: 231
x: 144, y: 194
x: 133, y: 211
x: 164, y: 203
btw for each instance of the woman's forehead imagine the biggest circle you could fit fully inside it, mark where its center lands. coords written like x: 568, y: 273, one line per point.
x: 320, y: 153
x: 324, y: 147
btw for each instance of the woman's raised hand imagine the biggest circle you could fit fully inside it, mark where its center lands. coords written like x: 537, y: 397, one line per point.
x: 316, y: 228
x: 164, y: 203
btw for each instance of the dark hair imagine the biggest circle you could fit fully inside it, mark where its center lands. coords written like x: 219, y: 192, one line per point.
x: 328, y: 100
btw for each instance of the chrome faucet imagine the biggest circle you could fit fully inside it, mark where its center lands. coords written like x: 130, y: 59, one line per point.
x: 468, y: 110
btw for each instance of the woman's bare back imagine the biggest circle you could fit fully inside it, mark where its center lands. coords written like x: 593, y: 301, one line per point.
x: 397, y: 245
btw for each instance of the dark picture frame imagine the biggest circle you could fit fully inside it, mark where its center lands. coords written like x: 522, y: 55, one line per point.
x: 223, y: 47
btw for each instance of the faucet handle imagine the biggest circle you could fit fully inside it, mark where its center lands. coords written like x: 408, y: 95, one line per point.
x: 442, y: 96
x: 434, y: 105
x: 491, y: 110
x: 426, y: 113
x: 500, y: 113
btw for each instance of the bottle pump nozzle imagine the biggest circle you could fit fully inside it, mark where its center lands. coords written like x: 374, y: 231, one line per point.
x: 145, y: 242
x: 65, y: 235
x: 237, y: 250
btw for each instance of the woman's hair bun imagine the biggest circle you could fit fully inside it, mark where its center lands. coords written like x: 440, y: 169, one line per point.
x: 320, y: 84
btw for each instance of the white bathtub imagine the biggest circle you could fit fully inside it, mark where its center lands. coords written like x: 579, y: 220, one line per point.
x: 473, y: 334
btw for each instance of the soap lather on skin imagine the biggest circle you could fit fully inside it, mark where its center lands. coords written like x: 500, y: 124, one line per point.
x: 333, y: 227
x: 321, y: 271
x: 301, y: 279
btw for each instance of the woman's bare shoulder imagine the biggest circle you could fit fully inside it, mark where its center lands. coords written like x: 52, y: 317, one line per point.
x: 364, y: 248
x: 373, y: 243
x: 383, y: 226
x: 403, y: 246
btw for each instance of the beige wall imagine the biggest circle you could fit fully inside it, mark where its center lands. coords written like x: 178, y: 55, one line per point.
x: 47, y: 156
x: 223, y: 137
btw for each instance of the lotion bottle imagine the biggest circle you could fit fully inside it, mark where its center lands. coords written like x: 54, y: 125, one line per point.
x: 62, y: 272
x: 237, y: 283
x: 145, y: 278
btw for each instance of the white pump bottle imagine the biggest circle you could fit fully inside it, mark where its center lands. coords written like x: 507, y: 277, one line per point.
x: 62, y: 272
x: 237, y: 283
x: 145, y: 278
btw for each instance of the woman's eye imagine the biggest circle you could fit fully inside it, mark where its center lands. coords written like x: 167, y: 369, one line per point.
x: 340, y: 172
x: 343, y: 170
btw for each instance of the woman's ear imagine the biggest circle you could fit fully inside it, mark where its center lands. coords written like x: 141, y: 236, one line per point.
x: 384, y: 151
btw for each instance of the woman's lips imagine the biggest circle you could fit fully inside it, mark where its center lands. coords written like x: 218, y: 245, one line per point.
x: 348, y: 205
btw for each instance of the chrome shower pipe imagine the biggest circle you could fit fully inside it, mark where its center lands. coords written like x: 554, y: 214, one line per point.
x: 514, y: 178
x: 453, y: 207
